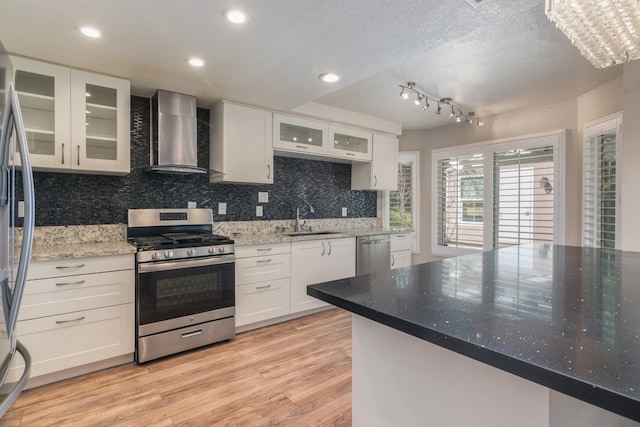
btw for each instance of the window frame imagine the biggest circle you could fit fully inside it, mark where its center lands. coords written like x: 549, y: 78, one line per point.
x: 414, y: 157
x: 556, y: 139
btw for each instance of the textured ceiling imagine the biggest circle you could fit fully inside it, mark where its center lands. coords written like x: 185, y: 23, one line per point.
x: 499, y: 56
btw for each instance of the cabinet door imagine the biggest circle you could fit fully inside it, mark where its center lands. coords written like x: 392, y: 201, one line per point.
x: 300, y: 135
x: 382, y: 172
x: 100, y: 125
x: 340, y: 258
x: 401, y: 259
x: 241, y: 144
x: 349, y: 143
x: 44, y: 94
x: 308, y: 262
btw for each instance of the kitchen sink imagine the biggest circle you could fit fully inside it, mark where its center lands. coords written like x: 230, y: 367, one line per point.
x: 308, y: 233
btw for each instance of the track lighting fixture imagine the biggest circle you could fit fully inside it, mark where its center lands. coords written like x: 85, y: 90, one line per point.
x: 456, y: 110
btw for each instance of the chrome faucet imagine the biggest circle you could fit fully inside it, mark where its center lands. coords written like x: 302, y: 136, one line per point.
x: 300, y: 222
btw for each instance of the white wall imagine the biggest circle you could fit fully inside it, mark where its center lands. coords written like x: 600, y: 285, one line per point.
x: 630, y: 196
x: 570, y: 114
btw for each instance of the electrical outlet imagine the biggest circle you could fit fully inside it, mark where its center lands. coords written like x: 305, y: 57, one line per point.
x: 258, y: 210
x: 222, y: 208
x: 263, y: 197
x: 192, y: 205
x: 344, y: 211
x: 20, y: 208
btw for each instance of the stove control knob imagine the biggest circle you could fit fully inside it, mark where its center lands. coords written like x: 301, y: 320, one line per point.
x: 155, y: 255
x: 168, y: 254
x: 221, y: 249
x: 212, y: 250
x: 191, y: 252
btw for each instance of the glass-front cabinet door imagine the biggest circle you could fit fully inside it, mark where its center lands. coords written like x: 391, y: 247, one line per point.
x: 350, y: 143
x: 43, y: 92
x: 100, y: 108
x: 299, y: 134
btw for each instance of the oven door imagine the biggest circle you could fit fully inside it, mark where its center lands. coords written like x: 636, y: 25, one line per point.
x: 174, y: 294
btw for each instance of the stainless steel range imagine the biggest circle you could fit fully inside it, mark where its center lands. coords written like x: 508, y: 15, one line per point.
x: 185, y: 281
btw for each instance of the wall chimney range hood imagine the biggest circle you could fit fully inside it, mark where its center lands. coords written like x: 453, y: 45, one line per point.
x: 174, y: 143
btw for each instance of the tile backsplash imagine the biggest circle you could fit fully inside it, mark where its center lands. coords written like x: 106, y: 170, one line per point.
x: 75, y: 199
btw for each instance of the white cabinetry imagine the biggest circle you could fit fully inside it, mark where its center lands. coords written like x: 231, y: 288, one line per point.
x: 300, y: 135
x: 401, y: 250
x: 241, y: 144
x: 262, y: 282
x: 76, y: 121
x: 77, y: 312
x: 382, y: 172
x: 317, y: 261
x: 349, y: 143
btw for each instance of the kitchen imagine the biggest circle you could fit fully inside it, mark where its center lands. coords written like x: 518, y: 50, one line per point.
x: 100, y: 199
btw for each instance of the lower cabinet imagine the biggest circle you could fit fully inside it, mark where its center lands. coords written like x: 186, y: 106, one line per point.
x: 317, y: 261
x: 401, y: 250
x: 76, y: 312
x: 263, y: 288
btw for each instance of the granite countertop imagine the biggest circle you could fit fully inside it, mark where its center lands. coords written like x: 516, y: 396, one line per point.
x: 244, y: 239
x: 80, y: 250
x: 567, y: 318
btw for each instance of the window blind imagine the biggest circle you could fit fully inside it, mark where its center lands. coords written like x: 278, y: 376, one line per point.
x: 523, y: 186
x: 600, y: 183
x: 460, y: 195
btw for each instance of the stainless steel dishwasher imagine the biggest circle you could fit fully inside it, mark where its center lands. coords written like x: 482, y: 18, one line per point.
x: 373, y: 253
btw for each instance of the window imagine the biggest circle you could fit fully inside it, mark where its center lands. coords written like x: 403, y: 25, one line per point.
x: 402, y: 206
x: 471, y: 195
x: 600, y: 198
x: 497, y: 194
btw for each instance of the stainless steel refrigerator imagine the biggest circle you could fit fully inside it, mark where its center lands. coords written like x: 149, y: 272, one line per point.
x: 15, y: 247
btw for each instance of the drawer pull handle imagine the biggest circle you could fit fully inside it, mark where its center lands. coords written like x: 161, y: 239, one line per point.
x: 263, y: 249
x: 329, y: 243
x: 261, y: 261
x: 192, y: 334
x: 393, y: 260
x: 301, y: 146
x: 350, y: 154
x: 62, y: 267
x: 59, y: 322
x: 400, y: 235
x: 80, y: 282
x: 263, y: 287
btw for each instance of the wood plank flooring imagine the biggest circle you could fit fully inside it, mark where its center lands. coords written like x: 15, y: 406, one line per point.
x: 296, y: 373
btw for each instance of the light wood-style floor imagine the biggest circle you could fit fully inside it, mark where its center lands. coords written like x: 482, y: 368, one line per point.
x: 295, y: 373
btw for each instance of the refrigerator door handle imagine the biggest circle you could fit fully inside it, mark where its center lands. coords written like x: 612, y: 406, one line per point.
x: 22, y: 382
x: 14, y: 118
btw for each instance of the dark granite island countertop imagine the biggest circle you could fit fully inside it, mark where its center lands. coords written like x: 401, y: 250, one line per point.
x: 567, y: 318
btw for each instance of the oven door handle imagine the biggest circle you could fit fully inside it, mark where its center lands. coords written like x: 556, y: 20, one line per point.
x: 188, y: 263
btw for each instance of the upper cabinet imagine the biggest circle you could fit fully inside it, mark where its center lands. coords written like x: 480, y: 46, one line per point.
x: 297, y: 134
x: 240, y: 146
x: 75, y: 121
x: 349, y: 143
x: 382, y: 172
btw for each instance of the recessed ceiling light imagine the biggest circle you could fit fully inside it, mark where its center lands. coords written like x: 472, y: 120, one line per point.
x: 90, y: 32
x: 329, y: 77
x: 236, y: 16
x: 196, y: 62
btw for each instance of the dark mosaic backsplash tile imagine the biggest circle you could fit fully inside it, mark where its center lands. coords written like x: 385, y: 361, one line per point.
x: 74, y: 199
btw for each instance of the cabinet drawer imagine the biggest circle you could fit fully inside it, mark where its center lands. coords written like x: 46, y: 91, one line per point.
x: 59, y: 295
x: 260, y: 269
x: 86, y: 337
x: 262, y: 301
x: 401, y: 259
x: 70, y: 267
x: 262, y: 250
x: 401, y: 241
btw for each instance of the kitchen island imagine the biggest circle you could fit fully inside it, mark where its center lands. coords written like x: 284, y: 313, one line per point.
x: 535, y: 335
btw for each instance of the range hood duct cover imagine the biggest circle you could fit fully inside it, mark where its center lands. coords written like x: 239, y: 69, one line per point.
x: 174, y: 141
